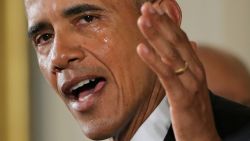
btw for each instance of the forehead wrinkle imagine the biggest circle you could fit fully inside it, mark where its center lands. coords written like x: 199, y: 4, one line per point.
x: 54, y: 3
x: 38, y: 9
x: 114, y: 5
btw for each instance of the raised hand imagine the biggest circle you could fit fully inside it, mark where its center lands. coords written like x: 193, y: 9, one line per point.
x: 170, y: 54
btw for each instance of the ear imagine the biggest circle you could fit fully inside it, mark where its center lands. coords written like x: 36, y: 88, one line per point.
x: 171, y: 8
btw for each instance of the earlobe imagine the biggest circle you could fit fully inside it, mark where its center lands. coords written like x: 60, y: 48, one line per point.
x: 171, y: 8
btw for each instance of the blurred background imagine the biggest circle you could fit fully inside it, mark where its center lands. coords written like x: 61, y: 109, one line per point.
x: 30, y: 110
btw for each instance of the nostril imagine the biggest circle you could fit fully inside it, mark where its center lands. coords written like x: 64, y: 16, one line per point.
x: 73, y: 60
x: 59, y: 66
x: 65, y: 57
x: 57, y: 69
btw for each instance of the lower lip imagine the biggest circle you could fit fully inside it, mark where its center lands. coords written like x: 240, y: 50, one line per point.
x: 87, y: 99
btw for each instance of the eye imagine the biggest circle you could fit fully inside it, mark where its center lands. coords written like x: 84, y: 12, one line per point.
x: 86, y: 19
x: 43, y: 39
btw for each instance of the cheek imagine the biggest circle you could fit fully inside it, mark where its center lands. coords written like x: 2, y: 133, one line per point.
x: 45, y: 69
x: 131, y: 74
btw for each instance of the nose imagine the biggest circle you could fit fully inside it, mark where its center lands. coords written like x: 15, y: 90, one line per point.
x: 65, y: 53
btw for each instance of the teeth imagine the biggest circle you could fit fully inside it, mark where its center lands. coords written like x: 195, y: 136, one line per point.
x: 92, y: 80
x: 80, y: 84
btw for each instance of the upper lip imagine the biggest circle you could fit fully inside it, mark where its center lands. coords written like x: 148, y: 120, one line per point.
x: 69, y: 84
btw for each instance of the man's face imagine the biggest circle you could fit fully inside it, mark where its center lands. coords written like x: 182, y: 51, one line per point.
x: 86, y: 50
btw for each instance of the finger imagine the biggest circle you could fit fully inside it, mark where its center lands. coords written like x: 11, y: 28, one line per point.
x: 164, y: 8
x: 169, y: 55
x: 183, y: 46
x: 175, y: 91
x: 170, y: 31
x: 160, y: 44
x: 167, y: 7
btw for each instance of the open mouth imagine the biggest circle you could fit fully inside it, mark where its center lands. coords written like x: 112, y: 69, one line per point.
x: 82, y: 89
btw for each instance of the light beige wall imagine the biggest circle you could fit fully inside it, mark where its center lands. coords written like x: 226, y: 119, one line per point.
x: 14, y: 95
x: 220, y: 23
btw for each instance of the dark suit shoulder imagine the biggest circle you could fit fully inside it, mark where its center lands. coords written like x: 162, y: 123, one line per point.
x: 232, y: 119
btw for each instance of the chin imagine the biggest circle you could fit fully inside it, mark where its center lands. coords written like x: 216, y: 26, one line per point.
x: 101, y: 128
x: 99, y: 131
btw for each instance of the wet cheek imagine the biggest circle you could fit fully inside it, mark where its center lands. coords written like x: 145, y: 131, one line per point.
x: 100, y: 44
x: 104, y: 38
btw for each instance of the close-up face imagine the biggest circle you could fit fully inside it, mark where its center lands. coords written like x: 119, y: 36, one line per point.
x: 86, y: 50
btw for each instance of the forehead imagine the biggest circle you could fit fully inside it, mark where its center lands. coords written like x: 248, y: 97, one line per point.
x: 40, y: 9
x: 57, y: 4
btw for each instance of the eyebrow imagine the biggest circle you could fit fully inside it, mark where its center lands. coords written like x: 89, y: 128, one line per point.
x: 37, y: 28
x: 74, y: 10
x: 77, y: 9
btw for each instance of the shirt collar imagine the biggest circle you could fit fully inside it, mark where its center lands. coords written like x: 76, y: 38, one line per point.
x: 156, y: 126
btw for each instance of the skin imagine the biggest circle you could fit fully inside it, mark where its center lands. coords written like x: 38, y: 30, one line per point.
x: 227, y: 75
x: 97, y: 48
x: 188, y: 94
x: 75, y: 45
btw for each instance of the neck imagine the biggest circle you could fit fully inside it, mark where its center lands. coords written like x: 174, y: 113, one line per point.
x: 143, y: 113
